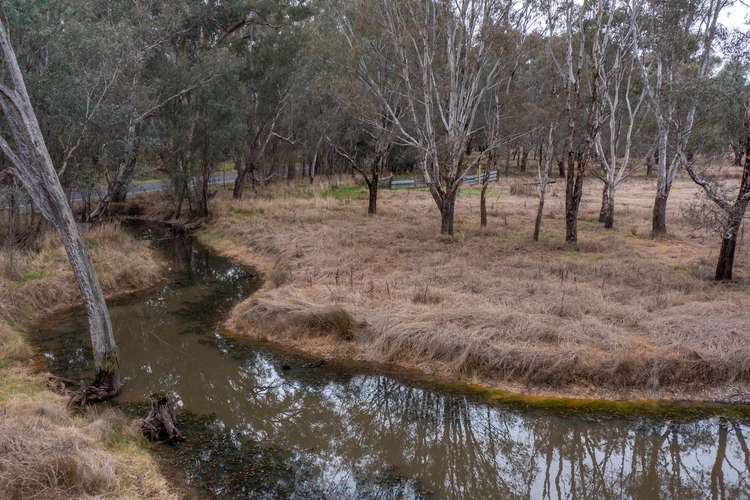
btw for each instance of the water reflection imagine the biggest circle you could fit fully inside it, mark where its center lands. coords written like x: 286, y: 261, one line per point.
x: 332, y: 433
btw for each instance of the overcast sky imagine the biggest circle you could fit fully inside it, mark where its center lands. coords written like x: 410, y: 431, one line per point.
x: 736, y: 16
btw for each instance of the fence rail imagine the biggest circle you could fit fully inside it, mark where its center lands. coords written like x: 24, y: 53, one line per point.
x: 419, y: 182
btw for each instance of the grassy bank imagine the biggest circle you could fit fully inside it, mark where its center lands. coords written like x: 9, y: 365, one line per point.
x: 621, y: 316
x: 46, y: 452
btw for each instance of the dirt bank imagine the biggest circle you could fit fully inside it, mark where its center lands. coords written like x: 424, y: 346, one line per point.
x: 621, y: 316
x: 45, y: 452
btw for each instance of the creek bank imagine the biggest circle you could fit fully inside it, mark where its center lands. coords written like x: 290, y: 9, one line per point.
x: 98, y: 450
x: 332, y: 293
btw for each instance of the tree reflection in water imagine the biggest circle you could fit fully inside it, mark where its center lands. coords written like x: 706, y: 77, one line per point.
x: 333, y: 433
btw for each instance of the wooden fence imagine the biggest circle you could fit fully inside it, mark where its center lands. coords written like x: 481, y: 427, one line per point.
x: 419, y: 182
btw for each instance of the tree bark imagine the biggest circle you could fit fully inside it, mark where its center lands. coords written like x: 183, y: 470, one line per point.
x: 507, y: 162
x: 659, y: 215
x: 32, y: 165
x: 161, y: 423
x: 524, y: 160
x: 117, y: 189
x: 604, y: 210
x: 737, y: 154
x: 609, y: 217
x: 483, y: 205
x: 561, y: 167
x: 539, y: 214
x: 726, y: 258
x: 447, y: 208
x: 372, y: 187
x: 573, y: 194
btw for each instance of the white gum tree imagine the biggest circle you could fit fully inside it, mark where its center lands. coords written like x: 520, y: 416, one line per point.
x: 442, y: 53
x: 31, y: 164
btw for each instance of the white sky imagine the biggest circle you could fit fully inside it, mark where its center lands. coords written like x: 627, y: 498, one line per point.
x: 736, y: 16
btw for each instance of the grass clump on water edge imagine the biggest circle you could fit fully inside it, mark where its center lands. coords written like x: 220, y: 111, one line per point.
x: 334, y: 320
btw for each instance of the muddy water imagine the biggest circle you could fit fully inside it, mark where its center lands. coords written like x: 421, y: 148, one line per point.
x: 261, y: 424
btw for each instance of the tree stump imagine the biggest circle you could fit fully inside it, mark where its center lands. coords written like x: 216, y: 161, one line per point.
x: 160, y: 424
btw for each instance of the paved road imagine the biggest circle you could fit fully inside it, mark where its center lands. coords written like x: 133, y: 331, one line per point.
x: 155, y: 186
x: 145, y: 187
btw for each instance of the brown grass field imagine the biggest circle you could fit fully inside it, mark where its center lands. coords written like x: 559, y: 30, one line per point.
x: 620, y: 316
x: 45, y: 451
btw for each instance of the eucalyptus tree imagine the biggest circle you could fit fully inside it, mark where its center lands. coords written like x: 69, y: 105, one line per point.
x: 674, y: 44
x: 577, y: 62
x: 544, y: 176
x: 268, y: 37
x: 30, y: 162
x: 719, y: 121
x: 622, y: 109
x: 441, y: 53
x: 159, y: 33
x: 731, y: 205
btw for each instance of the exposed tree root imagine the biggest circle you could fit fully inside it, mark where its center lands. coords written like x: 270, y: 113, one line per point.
x: 82, y: 394
x: 161, y: 423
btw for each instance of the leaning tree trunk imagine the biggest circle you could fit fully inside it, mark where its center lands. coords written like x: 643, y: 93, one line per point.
x: 735, y: 217
x: 241, y: 180
x: 32, y: 165
x: 117, y: 189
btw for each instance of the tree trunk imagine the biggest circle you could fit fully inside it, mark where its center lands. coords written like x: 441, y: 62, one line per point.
x: 524, y: 160
x: 573, y: 193
x: 539, y: 213
x: 726, y: 258
x: 605, y: 203
x: 483, y: 205
x: 239, y: 184
x: 561, y: 167
x: 507, y: 162
x: 649, y: 167
x: 737, y: 154
x: 659, y: 216
x: 32, y: 165
x: 447, y: 209
x: 117, y: 190
x: 372, y: 187
x: 609, y: 217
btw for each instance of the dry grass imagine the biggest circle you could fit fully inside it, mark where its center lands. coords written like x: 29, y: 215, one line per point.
x: 622, y: 312
x: 45, y: 452
x: 35, y: 283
